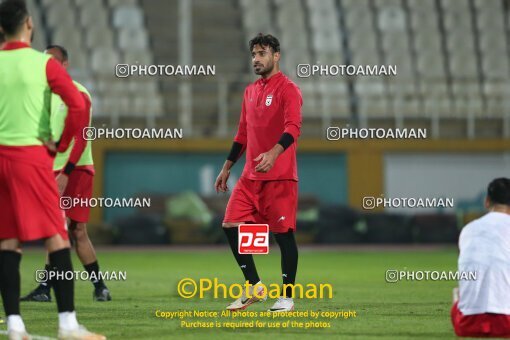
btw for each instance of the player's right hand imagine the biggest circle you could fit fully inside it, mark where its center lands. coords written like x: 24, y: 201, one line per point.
x: 50, y: 145
x: 62, y: 180
x: 221, y: 181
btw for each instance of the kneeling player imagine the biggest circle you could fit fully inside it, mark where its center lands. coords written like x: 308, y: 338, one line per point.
x: 482, y: 307
x: 74, y: 172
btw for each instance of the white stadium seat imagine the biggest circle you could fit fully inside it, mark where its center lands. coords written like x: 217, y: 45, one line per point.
x: 104, y: 61
x: 98, y: 37
x: 93, y: 17
x: 128, y: 16
x: 132, y: 39
x: 143, y: 57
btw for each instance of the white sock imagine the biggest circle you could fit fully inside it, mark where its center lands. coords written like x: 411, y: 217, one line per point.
x: 67, y: 321
x: 15, y: 323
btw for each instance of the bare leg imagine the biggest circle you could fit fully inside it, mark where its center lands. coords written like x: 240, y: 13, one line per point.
x: 84, y: 248
x: 87, y: 255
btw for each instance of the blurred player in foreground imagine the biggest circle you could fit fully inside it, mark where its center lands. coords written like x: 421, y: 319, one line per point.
x: 74, y: 172
x: 267, y: 191
x: 482, y: 307
x: 29, y: 198
x: 2, y: 41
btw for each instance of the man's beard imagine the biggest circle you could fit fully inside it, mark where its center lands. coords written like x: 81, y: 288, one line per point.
x: 265, y: 70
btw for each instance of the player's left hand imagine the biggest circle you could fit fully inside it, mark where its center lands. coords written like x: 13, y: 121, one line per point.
x: 267, y: 160
x: 62, y: 180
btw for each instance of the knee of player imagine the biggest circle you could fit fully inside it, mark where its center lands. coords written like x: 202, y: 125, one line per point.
x: 80, y: 231
x: 10, y: 245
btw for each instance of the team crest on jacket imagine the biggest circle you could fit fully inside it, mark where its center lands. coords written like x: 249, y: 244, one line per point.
x: 269, y: 99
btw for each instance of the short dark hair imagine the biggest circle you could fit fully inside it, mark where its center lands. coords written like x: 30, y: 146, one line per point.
x: 498, y: 191
x: 65, y: 54
x: 265, y: 40
x: 13, y: 14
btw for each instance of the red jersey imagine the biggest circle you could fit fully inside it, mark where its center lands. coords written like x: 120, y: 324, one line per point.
x: 270, y: 108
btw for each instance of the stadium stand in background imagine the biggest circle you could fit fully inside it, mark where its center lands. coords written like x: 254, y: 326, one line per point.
x: 451, y: 56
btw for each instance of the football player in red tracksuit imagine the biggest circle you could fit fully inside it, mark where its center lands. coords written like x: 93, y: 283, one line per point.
x: 267, y: 191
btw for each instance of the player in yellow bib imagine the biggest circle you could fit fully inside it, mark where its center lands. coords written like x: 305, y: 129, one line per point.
x: 74, y: 171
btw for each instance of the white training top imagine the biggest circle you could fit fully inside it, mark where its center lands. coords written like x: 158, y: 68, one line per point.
x: 485, y: 248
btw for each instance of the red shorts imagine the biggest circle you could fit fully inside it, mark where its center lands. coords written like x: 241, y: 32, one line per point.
x: 480, y: 325
x: 29, y: 202
x: 80, y: 185
x: 268, y: 202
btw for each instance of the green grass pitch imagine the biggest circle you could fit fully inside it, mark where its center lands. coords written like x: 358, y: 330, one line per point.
x: 403, y: 310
